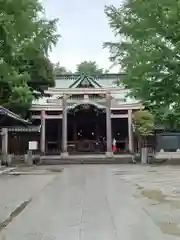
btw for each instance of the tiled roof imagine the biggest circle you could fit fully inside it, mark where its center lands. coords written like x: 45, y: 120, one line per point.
x: 6, y: 112
x: 25, y: 129
x: 104, y: 81
x: 85, y: 79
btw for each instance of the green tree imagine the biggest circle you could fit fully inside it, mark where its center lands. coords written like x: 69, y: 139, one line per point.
x: 148, y: 51
x: 144, y: 127
x: 144, y: 123
x: 58, y: 69
x: 89, y: 68
x: 26, y: 37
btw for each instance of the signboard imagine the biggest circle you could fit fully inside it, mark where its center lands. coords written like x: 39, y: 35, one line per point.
x: 33, y: 145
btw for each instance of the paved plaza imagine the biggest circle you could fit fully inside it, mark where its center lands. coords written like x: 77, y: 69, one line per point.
x: 91, y: 202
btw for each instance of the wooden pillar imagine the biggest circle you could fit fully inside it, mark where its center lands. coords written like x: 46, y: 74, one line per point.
x: 109, y: 152
x: 130, y: 130
x: 97, y: 132
x: 60, y: 135
x: 43, y: 131
x: 64, y: 126
x: 4, y: 145
x: 74, y: 132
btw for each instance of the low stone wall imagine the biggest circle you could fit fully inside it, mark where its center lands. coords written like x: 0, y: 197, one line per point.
x: 168, y: 157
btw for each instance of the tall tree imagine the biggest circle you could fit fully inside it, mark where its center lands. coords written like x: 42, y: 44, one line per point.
x: 26, y: 36
x: 58, y: 69
x: 148, y: 51
x: 88, y: 67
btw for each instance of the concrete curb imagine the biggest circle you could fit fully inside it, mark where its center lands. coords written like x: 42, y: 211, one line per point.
x: 30, y: 173
x: 6, y: 170
x: 35, y: 172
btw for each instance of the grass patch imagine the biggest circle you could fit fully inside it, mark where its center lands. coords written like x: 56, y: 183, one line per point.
x: 158, y: 196
x: 170, y: 228
x: 155, y: 195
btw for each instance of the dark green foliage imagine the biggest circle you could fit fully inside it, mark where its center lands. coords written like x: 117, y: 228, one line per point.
x: 89, y: 68
x: 148, y: 51
x: 25, y: 39
x: 59, y: 70
x: 144, y: 123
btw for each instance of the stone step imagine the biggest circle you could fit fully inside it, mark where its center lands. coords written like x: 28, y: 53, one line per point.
x: 86, y: 161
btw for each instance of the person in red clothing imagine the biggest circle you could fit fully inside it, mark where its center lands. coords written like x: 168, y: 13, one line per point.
x: 114, y: 145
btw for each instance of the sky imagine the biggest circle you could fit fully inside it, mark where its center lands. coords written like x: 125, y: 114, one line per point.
x: 83, y: 27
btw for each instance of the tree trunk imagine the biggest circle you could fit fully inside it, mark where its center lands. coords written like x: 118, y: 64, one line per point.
x: 144, y: 151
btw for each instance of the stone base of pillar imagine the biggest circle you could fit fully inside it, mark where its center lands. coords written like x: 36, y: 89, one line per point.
x: 64, y: 155
x: 9, y: 159
x: 109, y: 154
x: 29, y: 159
x: 4, y: 158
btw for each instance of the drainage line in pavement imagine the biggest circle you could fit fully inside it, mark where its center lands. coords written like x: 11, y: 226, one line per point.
x: 14, y: 214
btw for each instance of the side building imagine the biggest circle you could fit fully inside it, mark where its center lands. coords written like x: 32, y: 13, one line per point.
x: 83, y: 114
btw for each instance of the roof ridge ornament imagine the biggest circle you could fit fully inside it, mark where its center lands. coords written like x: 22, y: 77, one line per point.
x: 89, y: 81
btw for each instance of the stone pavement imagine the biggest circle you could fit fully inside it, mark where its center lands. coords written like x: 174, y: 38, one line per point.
x: 99, y: 202
x: 15, y: 190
